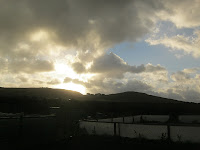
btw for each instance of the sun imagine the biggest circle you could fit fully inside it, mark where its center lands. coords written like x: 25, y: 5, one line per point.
x: 72, y: 86
x: 65, y: 69
x: 62, y: 70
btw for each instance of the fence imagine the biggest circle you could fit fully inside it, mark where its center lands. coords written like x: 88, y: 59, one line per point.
x: 48, y: 128
x: 176, y: 132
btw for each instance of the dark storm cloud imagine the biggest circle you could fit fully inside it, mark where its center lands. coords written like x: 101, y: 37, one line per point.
x: 89, y: 24
x: 78, y: 67
x: 114, y: 66
x: 71, y: 21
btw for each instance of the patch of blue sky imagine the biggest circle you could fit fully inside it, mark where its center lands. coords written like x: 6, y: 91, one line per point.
x: 143, y: 53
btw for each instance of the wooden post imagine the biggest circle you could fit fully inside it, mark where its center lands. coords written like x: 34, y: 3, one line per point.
x: 168, y: 133
x: 115, y: 129
x: 119, y: 128
x: 21, y: 124
x: 111, y: 117
x: 94, y: 131
x: 65, y: 123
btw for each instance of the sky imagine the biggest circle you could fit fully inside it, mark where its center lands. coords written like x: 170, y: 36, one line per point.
x: 107, y: 46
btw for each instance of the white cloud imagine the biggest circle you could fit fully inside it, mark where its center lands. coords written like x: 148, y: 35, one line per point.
x: 109, y: 85
x: 180, y: 76
x: 189, y: 45
x: 183, y: 13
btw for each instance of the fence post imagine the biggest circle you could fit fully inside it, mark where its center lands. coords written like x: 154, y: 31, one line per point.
x: 168, y: 133
x: 111, y: 117
x: 115, y: 129
x: 119, y: 128
x: 21, y: 124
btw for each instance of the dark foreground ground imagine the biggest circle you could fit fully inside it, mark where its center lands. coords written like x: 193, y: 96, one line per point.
x: 99, y: 143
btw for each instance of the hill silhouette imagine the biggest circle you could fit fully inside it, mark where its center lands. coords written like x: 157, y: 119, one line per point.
x: 131, y: 96
x: 39, y: 100
x: 38, y: 93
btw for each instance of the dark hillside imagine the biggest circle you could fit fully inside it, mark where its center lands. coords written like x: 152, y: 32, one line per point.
x: 39, y: 100
x: 134, y: 97
x: 39, y: 93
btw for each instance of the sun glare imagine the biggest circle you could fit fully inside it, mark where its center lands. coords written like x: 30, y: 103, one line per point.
x: 72, y: 86
x: 39, y: 35
x: 63, y: 70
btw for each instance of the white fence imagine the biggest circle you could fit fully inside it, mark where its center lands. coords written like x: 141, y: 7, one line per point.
x: 137, y: 119
x: 125, y: 127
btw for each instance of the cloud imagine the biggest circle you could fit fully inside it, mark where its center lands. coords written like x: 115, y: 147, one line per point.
x: 78, y: 67
x: 42, y: 29
x: 191, y: 95
x: 191, y: 70
x: 180, y: 76
x: 186, y: 84
x: 38, y: 82
x: 183, y: 13
x: 76, y: 22
x: 67, y: 79
x: 54, y: 82
x: 182, y: 86
x: 154, y: 80
x: 189, y: 45
x: 30, y: 66
x: 114, y: 66
x: 109, y: 63
x: 109, y: 85
x: 76, y: 81
x: 150, y: 68
x: 186, y: 75
x: 23, y: 79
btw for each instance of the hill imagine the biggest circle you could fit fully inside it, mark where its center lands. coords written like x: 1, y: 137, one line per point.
x: 34, y: 100
x: 130, y: 96
x: 39, y: 93
x: 39, y: 100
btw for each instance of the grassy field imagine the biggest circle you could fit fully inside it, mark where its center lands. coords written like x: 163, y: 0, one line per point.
x: 105, y: 142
